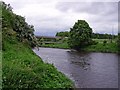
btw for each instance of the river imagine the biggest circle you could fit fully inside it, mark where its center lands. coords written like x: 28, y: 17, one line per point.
x: 87, y: 70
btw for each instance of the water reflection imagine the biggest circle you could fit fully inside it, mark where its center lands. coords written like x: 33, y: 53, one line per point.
x: 80, y: 59
x: 87, y: 70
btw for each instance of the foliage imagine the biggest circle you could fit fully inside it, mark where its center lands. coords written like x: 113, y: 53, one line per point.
x: 41, y: 41
x: 80, y: 35
x: 17, y: 23
x: 119, y: 42
x: 103, y: 36
x: 63, y: 45
x: 94, y: 35
x: 99, y: 47
x: 104, y: 42
x: 21, y: 68
x: 62, y: 34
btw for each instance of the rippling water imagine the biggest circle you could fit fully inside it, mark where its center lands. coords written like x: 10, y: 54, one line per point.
x: 87, y: 70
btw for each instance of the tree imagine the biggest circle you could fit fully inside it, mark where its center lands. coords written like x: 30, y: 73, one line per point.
x: 104, y: 42
x: 119, y: 42
x: 80, y: 35
x: 17, y: 23
x: 62, y: 34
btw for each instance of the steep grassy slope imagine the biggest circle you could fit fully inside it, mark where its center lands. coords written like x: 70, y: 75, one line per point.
x: 21, y: 68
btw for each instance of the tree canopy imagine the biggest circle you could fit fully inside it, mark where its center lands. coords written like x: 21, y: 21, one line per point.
x: 119, y: 42
x: 17, y: 23
x: 80, y: 35
x: 62, y: 34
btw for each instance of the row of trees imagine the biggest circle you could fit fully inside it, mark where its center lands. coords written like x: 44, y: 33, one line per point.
x: 119, y: 42
x: 81, y: 35
x: 94, y: 35
x: 103, y: 36
x: 63, y: 34
x: 18, y: 24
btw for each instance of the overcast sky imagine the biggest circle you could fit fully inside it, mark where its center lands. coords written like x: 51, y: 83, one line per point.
x: 51, y: 16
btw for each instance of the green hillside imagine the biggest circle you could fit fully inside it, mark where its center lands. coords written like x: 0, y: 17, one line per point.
x: 21, y: 68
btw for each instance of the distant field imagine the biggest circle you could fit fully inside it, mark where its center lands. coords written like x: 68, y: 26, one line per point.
x: 101, y: 40
x: 63, y: 45
x: 99, y: 47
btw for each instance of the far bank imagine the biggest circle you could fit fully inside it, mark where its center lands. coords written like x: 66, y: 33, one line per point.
x: 100, y: 46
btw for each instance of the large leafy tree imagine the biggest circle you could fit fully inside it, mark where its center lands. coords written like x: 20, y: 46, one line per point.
x: 119, y: 42
x: 80, y: 35
x: 17, y: 23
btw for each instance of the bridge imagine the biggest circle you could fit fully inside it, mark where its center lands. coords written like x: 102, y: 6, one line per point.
x: 48, y: 39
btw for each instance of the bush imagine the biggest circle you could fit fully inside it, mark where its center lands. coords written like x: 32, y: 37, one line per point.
x: 119, y: 42
x: 80, y: 35
x: 104, y: 42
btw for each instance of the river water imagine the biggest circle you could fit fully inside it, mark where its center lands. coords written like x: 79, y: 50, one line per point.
x: 87, y: 70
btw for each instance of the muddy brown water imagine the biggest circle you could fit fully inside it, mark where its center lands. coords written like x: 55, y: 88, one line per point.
x: 87, y: 70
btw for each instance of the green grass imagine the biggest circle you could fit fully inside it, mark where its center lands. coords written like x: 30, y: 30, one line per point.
x: 63, y: 45
x: 0, y: 58
x: 22, y: 68
x: 101, y: 40
x: 109, y: 47
x: 0, y: 69
x: 99, y: 47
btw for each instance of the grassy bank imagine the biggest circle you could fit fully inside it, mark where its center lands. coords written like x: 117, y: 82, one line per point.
x: 0, y: 69
x: 110, y: 47
x: 99, y: 47
x: 23, y: 69
x: 63, y: 45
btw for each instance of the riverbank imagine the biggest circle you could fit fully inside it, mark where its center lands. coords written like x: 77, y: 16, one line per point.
x: 109, y: 48
x: 23, y: 69
x: 87, y: 70
x: 99, y: 47
x: 63, y: 45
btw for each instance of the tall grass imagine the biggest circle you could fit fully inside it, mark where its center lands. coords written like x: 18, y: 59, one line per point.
x: 0, y: 69
x: 23, y: 69
x: 63, y: 45
x: 100, y: 47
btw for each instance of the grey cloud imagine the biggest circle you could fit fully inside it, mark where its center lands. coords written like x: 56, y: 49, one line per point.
x: 22, y: 3
x: 88, y: 7
x: 52, y: 23
x: 119, y: 17
x: 48, y: 31
x: 100, y: 15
